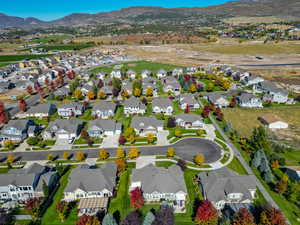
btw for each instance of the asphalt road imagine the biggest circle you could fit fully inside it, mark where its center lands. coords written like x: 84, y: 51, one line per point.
x: 185, y: 149
x: 268, y: 65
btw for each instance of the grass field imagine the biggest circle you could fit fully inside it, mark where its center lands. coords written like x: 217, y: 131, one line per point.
x: 14, y: 58
x: 52, y: 38
x: 244, y: 120
x: 253, y: 20
x: 138, y: 67
x: 236, y: 166
x: 292, y: 158
x: 68, y: 47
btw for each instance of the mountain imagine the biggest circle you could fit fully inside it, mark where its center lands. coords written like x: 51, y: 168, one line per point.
x: 165, y: 16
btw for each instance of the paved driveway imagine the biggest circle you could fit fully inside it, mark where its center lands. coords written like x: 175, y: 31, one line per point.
x: 110, y: 141
x: 62, y: 144
x: 162, y: 137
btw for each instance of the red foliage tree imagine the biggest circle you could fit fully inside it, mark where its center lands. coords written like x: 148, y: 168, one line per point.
x: 136, y: 198
x: 22, y: 105
x: 232, y: 103
x: 187, y: 109
x: 71, y: 75
x: 243, y: 217
x: 205, y: 113
x: 220, y: 116
x: 3, y: 115
x: 2, y: 108
x: 29, y: 89
x: 272, y: 216
x: 206, y: 213
x: 32, y: 205
x: 88, y: 220
x: 122, y: 140
x: 37, y: 87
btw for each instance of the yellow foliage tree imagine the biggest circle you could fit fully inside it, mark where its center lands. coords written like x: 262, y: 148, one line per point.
x: 125, y: 94
x: 8, y: 144
x: 80, y: 156
x: 133, y: 153
x: 285, y: 178
x: 66, y: 155
x: 199, y: 159
x: 170, y: 152
x: 10, y: 159
x: 103, y: 154
x: 131, y: 139
x: 137, y: 92
x: 178, y: 133
x: 129, y: 132
x: 275, y: 164
x: 149, y: 92
x: 91, y: 95
x: 78, y: 94
x: 150, y: 138
x: 193, y: 88
x: 226, y: 85
x: 120, y: 153
x: 102, y: 95
x: 50, y: 157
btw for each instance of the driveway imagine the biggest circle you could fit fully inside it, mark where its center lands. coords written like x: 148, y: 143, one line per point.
x: 62, y: 144
x: 110, y: 141
x: 162, y: 138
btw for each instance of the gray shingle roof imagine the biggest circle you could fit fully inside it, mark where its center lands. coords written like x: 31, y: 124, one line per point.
x: 93, y: 179
x: 18, y: 124
x: 105, y: 125
x: 160, y: 179
x: 76, y: 105
x: 189, y: 118
x: 41, y: 108
x: 143, y: 122
x: 104, y: 106
x: 134, y: 102
x: 188, y: 99
x: 162, y: 102
x: 69, y: 125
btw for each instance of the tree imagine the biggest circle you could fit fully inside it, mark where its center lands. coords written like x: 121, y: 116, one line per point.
x: 272, y: 216
x: 149, y: 92
x: 62, y: 209
x: 32, y: 206
x: 10, y: 159
x: 133, y: 218
x: 165, y: 216
x: 178, y: 133
x: 91, y: 95
x: 137, y: 92
x: 45, y: 189
x: 50, y: 157
x: 32, y: 141
x: 129, y: 132
x: 121, y: 165
x: 149, y: 218
x: 3, y: 115
x: 109, y: 220
x: 9, y: 144
x: 120, y: 153
x: 100, y: 84
x: 171, y: 122
x: 80, y: 156
x: 133, y: 153
x: 136, y: 198
x: 170, y: 152
x: 6, y: 218
x: 226, y: 85
x: 275, y: 164
x: 78, y: 94
x: 199, y: 159
x: 281, y: 186
x: 66, y: 155
x: 243, y: 217
x: 182, y: 164
x: 29, y: 90
x: 125, y: 94
x: 122, y: 140
x: 268, y: 177
x: 102, y: 95
x: 232, y: 103
x: 88, y: 220
x: 210, y: 86
x: 103, y: 154
x: 206, y: 214
x: 193, y: 88
x: 150, y: 138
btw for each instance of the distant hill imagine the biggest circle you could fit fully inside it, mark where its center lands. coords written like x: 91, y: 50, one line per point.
x: 158, y: 15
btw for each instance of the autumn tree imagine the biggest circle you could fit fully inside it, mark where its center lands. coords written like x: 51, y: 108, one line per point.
x: 137, y: 92
x: 91, y: 95
x: 164, y: 216
x: 193, y: 88
x: 10, y: 159
x: 50, y: 157
x: 3, y: 115
x: 170, y: 152
x: 88, y: 220
x: 178, y: 133
x: 8, y: 144
x: 80, y: 156
x: 103, y: 154
x: 32, y: 206
x: 206, y: 214
x: 243, y: 217
x: 150, y: 138
x: 29, y: 90
x: 281, y: 186
x: 133, y: 218
x: 66, y: 155
x: 125, y: 94
x: 182, y: 164
x: 78, y: 94
x: 122, y: 140
x: 199, y: 159
x: 102, y: 95
x: 120, y: 153
x: 136, y: 199
x: 149, y: 92
x: 22, y: 105
x: 232, y: 103
x: 272, y: 216
x: 133, y: 153
x: 121, y: 165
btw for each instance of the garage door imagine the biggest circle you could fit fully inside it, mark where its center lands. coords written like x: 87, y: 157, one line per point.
x: 63, y: 136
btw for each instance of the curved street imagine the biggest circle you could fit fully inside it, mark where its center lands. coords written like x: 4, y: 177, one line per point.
x: 185, y: 149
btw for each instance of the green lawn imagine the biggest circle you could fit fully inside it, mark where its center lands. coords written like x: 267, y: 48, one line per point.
x: 236, y: 166
x: 292, y: 158
x: 52, y: 38
x: 165, y: 164
x: 13, y: 58
x: 3, y: 64
x: 67, y: 47
x: 4, y: 170
x: 138, y: 67
x: 50, y: 217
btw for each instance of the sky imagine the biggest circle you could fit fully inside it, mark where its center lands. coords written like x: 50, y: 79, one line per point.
x: 54, y: 9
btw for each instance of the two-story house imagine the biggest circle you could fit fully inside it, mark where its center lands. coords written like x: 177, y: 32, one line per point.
x: 104, y: 109
x: 162, y: 105
x: 189, y: 121
x: 161, y: 73
x: 101, y: 127
x: 217, y: 99
x: 249, y: 100
x: 70, y: 109
x: 171, y: 84
x: 133, y: 106
x: 272, y: 92
x: 39, y: 111
x: 188, y: 101
x: 16, y: 130
x: 226, y: 186
x: 161, y: 185
x: 144, y: 125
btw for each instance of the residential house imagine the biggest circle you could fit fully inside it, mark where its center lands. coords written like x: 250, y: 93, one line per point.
x: 189, y: 121
x: 171, y: 84
x: 134, y: 106
x: 131, y: 74
x: 85, y: 182
x: 188, y: 100
x: 16, y: 130
x: 272, y: 92
x: 161, y: 73
x: 293, y: 172
x: 162, y: 185
x: 116, y: 74
x: 61, y: 92
x: 104, y: 109
x: 191, y: 70
x: 146, y: 73
x: 5, y: 86
x: 226, y: 186
x: 218, y: 100
x: 70, y: 109
x: 177, y: 71
x: 251, y: 80
x: 162, y: 105
x: 248, y: 100
x: 63, y: 129
x: 22, y: 184
x: 101, y: 127
x: 144, y: 125
x: 39, y: 111
x: 273, y: 121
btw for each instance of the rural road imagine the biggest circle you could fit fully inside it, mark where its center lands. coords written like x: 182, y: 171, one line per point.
x: 185, y: 149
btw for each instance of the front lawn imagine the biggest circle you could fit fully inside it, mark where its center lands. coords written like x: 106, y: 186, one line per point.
x: 236, y: 166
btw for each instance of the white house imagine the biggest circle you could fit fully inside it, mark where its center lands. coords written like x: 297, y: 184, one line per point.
x: 189, y: 121
x: 116, y: 74
x: 162, y: 105
x: 144, y: 125
x: 248, y: 100
x: 134, y: 106
x: 273, y: 121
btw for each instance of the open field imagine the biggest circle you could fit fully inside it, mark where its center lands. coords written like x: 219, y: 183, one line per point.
x: 254, y: 20
x: 14, y: 58
x: 138, y: 67
x: 67, y: 47
x: 52, y: 38
x: 244, y: 120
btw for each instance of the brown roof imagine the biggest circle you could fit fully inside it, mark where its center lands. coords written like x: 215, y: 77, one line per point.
x: 296, y: 168
x: 270, y: 118
x: 91, y: 203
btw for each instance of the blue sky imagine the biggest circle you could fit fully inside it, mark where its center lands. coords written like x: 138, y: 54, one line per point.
x: 53, y: 9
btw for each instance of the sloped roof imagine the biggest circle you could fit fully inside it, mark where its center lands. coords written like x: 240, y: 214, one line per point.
x: 144, y: 122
